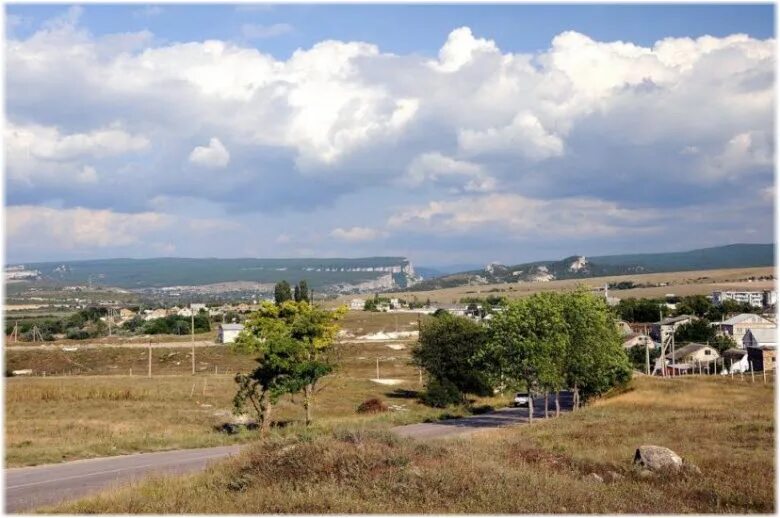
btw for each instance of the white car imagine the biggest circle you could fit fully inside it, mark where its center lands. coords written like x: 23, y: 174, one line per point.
x: 521, y: 399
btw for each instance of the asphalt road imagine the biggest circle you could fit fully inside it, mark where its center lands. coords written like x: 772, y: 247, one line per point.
x: 491, y: 420
x: 29, y: 488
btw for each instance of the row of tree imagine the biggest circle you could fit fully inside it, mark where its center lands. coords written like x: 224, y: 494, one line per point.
x: 299, y: 293
x: 544, y: 344
x: 652, y: 310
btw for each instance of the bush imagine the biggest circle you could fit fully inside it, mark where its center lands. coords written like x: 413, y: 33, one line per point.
x: 372, y: 406
x: 440, y: 394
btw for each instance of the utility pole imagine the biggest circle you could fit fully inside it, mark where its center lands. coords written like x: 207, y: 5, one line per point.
x: 674, y: 360
x: 377, y: 367
x: 192, y: 317
x: 150, y: 359
x: 647, y: 357
x: 16, y: 331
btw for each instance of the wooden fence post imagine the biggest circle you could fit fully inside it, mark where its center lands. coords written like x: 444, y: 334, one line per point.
x: 752, y: 374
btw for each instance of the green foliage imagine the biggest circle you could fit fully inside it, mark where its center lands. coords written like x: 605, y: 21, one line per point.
x: 636, y: 356
x: 302, y: 292
x: 177, y: 325
x: 698, y: 330
x: 447, y: 349
x: 595, y: 358
x: 529, y: 341
x: 640, y: 310
x: 441, y: 394
x: 292, y: 340
x: 282, y: 292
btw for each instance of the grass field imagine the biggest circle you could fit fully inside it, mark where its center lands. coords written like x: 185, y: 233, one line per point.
x: 700, y: 282
x: 55, y: 419
x: 725, y: 427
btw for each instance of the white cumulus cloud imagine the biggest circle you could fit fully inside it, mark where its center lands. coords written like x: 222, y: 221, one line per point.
x: 213, y: 156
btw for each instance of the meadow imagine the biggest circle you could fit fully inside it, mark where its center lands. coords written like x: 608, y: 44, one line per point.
x: 723, y: 426
x: 105, y: 411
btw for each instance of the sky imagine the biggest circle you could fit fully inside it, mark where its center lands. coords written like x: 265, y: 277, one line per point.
x: 446, y: 134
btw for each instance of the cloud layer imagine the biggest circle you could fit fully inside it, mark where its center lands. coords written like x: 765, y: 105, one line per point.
x: 585, y: 138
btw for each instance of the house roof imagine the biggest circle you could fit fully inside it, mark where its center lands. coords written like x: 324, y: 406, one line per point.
x: 672, y: 320
x: 764, y: 336
x: 734, y: 353
x: 232, y: 327
x: 685, y: 351
x: 744, y: 317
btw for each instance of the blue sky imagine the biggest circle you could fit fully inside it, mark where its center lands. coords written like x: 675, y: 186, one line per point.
x: 448, y: 134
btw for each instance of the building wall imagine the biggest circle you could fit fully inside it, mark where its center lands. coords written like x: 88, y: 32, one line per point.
x: 762, y: 359
x: 701, y: 356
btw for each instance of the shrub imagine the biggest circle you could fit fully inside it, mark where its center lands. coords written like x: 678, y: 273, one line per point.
x: 372, y: 406
x: 441, y: 394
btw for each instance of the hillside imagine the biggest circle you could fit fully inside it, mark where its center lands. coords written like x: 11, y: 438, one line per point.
x: 359, y: 468
x: 580, y: 267
x: 328, y: 274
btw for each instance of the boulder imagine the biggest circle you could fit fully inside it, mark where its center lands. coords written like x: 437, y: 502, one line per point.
x: 595, y: 477
x: 655, y: 458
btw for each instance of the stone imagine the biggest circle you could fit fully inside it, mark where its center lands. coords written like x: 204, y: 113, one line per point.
x: 614, y: 476
x: 595, y: 477
x: 655, y: 458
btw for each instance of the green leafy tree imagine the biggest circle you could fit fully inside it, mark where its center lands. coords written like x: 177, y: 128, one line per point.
x: 293, y: 340
x: 595, y: 358
x: 698, y: 305
x: 447, y: 349
x: 639, y: 310
x: 698, y: 330
x: 303, y: 292
x: 282, y: 292
x: 527, y: 340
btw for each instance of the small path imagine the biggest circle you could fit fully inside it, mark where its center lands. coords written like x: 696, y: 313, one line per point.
x: 492, y: 420
x: 32, y: 487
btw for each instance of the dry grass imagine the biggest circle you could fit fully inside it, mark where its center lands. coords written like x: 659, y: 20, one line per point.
x: 55, y: 419
x: 699, y: 282
x: 726, y: 428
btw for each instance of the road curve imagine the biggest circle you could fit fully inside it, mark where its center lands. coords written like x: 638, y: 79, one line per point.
x: 36, y: 486
x: 488, y: 421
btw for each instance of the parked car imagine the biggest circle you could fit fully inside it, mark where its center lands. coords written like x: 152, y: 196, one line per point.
x: 521, y: 399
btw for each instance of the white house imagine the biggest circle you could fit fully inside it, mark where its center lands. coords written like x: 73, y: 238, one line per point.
x: 760, y: 338
x: 736, y: 326
x: 637, y: 339
x: 357, y: 304
x: 756, y: 299
x: 227, y: 333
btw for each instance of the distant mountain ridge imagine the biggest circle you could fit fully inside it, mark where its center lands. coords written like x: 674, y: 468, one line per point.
x: 338, y: 275
x: 573, y: 267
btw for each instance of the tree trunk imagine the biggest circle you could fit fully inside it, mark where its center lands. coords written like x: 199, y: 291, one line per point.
x: 265, y: 408
x: 546, y: 405
x: 557, y: 403
x: 576, y: 398
x: 530, y: 408
x: 308, y: 397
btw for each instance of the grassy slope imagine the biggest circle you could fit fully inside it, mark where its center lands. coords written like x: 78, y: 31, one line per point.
x: 726, y: 427
x: 700, y: 282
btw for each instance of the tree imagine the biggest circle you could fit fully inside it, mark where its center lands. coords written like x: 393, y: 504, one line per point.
x: 639, y: 310
x: 698, y: 330
x: 302, y: 291
x: 293, y: 339
x: 698, y: 305
x: 526, y: 341
x: 282, y: 292
x: 447, y: 350
x: 595, y: 358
